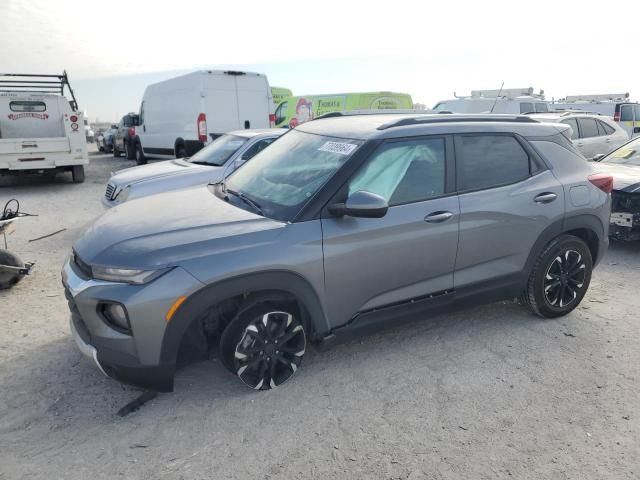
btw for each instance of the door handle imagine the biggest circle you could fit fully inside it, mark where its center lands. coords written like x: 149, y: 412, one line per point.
x: 580, y: 144
x: 144, y: 128
x: 546, y: 197
x: 438, y: 217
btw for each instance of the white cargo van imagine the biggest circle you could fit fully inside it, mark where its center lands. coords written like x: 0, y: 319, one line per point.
x: 41, y: 130
x: 508, y: 100
x: 181, y: 115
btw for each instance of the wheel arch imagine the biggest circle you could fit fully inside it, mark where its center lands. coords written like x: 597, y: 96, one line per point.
x: 586, y: 227
x: 179, y: 143
x: 254, y: 287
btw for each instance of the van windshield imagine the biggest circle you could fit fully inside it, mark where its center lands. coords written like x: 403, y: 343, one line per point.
x: 281, y: 179
x: 219, y: 151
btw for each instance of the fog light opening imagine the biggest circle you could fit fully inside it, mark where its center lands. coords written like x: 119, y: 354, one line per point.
x: 116, y: 317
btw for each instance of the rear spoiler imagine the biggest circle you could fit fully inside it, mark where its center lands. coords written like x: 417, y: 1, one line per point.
x: 36, y: 83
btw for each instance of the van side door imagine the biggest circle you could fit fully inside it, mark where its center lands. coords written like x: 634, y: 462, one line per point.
x: 508, y: 197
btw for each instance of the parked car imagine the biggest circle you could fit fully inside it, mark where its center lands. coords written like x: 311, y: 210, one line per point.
x: 339, y: 224
x: 209, y: 165
x: 504, y: 100
x: 40, y: 132
x: 180, y: 116
x: 591, y: 134
x: 294, y: 111
x: 104, y: 140
x: 615, y: 105
x: 124, y: 136
x: 624, y: 165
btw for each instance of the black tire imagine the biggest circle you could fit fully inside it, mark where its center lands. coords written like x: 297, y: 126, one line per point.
x: 139, y: 155
x: 77, y: 173
x: 9, y: 279
x: 560, y: 277
x: 181, y: 151
x: 116, y: 152
x: 130, y: 153
x: 264, y: 344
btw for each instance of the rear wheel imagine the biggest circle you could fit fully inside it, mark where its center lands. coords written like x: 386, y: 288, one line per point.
x: 560, y: 277
x: 130, y: 153
x: 77, y: 173
x: 181, y: 151
x: 9, y: 279
x: 116, y: 152
x: 139, y: 155
x: 264, y: 345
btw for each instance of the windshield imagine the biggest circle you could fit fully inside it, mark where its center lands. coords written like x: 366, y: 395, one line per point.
x: 219, y: 151
x: 282, y: 178
x: 628, y: 154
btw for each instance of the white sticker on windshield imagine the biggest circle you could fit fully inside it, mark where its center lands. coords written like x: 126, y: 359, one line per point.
x: 338, y: 147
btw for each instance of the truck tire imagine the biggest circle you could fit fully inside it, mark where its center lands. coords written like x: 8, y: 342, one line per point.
x: 77, y: 173
x: 181, y: 151
x: 139, y: 155
x: 130, y: 153
x: 9, y: 279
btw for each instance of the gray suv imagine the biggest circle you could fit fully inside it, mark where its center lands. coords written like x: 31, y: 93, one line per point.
x: 342, y: 223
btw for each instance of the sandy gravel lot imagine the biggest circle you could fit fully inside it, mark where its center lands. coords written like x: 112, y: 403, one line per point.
x: 491, y: 392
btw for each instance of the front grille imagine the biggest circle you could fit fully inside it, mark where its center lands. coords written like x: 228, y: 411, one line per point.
x: 84, y: 267
x: 109, y: 193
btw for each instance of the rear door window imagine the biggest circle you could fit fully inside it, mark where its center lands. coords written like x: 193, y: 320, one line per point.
x: 485, y: 161
x: 542, y: 107
x: 27, y: 106
x: 588, y: 127
x: 575, y: 134
x: 626, y: 113
x: 526, y: 107
x: 636, y: 109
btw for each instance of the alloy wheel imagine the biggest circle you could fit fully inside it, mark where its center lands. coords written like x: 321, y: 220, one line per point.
x: 270, y: 350
x: 564, y: 279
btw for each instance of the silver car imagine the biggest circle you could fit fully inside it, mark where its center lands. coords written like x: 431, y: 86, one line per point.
x: 593, y: 135
x: 342, y: 223
x: 210, y: 164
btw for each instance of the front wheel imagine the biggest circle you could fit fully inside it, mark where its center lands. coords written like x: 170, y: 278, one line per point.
x: 264, y: 345
x: 560, y: 277
x: 9, y: 278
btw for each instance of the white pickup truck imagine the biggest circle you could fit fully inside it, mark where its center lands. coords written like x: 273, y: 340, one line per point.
x: 41, y: 131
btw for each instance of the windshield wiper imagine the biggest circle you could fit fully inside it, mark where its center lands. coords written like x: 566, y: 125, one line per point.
x: 245, y: 199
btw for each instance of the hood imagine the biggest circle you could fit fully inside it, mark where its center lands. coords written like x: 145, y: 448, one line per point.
x: 162, y: 230
x: 131, y: 176
x: 625, y: 178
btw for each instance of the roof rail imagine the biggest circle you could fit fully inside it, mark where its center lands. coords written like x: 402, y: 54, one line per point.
x: 603, y: 97
x: 37, y: 83
x: 403, y: 122
x: 386, y: 111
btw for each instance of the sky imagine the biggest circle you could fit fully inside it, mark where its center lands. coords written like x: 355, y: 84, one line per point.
x: 112, y: 50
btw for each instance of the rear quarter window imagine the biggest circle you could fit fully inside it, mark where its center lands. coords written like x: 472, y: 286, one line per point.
x: 486, y: 161
x: 526, y: 107
x: 27, y: 106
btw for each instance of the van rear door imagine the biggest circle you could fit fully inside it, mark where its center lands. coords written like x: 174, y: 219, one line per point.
x: 255, y: 103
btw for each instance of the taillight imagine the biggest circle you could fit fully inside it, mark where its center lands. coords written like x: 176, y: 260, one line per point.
x: 202, y: 127
x: 132, y: 132
x: 603, y: 181
x: 616, y: 116
x: 272, y: 118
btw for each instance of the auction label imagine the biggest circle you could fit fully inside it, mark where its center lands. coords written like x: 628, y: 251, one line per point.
x: 338, y: 147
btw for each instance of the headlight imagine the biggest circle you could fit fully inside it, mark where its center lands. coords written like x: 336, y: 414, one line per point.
x: 126, y: 275
x: 123, y: 195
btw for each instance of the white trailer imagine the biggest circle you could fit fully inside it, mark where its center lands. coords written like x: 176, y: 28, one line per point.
x: 41, y: 131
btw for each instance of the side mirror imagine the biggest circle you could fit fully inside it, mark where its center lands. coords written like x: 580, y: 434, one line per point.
x: 598, y: 157
x: 361, y: 204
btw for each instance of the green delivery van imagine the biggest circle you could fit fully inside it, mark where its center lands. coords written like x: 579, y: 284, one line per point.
x: 279, y: 94
x: 293, y: 111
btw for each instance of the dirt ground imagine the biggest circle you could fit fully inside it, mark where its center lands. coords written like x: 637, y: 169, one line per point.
x: 491, y: 392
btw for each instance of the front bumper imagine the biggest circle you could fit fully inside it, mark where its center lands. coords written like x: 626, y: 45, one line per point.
x: 130, y: 358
